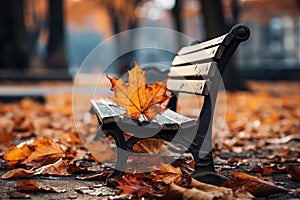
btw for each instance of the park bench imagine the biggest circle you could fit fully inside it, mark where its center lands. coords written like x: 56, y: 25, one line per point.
x: 196, y: 69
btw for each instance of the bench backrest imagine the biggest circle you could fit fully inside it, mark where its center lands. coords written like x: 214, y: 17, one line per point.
x: 195, y: 66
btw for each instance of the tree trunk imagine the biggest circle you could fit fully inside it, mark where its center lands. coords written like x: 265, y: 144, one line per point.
x: 177, y: 18
x: 122, y: 19
x: 215, y: 26
x: 213, y: 18
x: 15, y: 48
x: 56, y: 57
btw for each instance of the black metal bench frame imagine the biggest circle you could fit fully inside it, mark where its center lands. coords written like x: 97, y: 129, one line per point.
x: 193, y: 71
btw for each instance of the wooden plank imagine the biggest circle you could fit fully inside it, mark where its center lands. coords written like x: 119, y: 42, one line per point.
x: 171, y: 120
x: 189, y: 86
x: 224, y: 40
x: 105, y: 108
x: 176, y: 117
x: 196, y: 70
x: 203, y: 56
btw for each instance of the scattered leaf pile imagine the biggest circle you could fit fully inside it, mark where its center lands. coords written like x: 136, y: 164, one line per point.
x: 262, y: 133
x: 261, y: 139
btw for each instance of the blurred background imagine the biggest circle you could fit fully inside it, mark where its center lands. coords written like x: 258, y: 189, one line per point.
x: 49, y: 39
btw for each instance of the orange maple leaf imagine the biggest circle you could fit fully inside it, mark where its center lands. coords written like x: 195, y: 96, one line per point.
x: 137, y: 97
x: 40, y: 152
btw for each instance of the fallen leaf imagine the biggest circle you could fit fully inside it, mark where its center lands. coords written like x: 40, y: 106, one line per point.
x: 149, y: 145
x: 176, y: 192
x: 282, y: 140
x: 212, y: 189
x: 269, y: 169
x: 16, y: 155
x: 294, y: 171
x: 242, y: 194
x: 254, y: 185
x: 6, y: 126
x: 18, y: 195
x: 40, y: 152
x: 133, y: 184
x: 71, y: 138
x: 18, y: 173
x: 168, y: 174
x: 31, y: 185
x: 44, y: 151
x: 137, y: 97
x: 6, y: 138
x: 59, y: 168
x: 296, y: 192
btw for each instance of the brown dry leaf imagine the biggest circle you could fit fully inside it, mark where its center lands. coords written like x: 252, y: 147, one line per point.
x: 18, y: 173
x: 59, y: 168
x: 212, y: 189
x: 242, y: 194
x: 6, y: 138
x: 16, y: 155
x: 6, y: 126
x: 45, y: 151
x: 168, y: 174
x: 296, y: 192
x: 176, y: 192
x: 269, y: 169
x: 294, y: 171
x: 149, y: 145
x: 40, y: 152
x: 31, y: 185
x: 134, y: 184
x: 273, y: 169
x: 254, y: 185
x: 283, y: 140
x: 137, y: 97
x: 18, y: 195
x: 71, y: 138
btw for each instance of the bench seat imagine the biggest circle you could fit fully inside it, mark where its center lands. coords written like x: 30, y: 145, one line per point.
x: 109, y: 113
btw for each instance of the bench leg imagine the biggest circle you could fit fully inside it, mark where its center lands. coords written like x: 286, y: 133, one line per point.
x: 119, y: 169
x: 204, y: 170
x: 122, y: 156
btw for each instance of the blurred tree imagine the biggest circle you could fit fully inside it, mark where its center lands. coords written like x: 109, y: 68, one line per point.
x: 122, y: 14
x: 215, y: 25
x: 35, y: 19
x: 177, y: 18
x: 123, y: 17
x: 56, y: 57
x: 298, y: 4
x: 15, y: 49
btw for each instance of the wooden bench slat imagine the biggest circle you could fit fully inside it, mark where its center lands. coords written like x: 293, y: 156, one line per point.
x: 176, y: 117
x: 105, y: 108
x: 198, y: 70
x: 189, y: 86
x: 224, y: 40
x: 203, y: 56
x: 164, y: 120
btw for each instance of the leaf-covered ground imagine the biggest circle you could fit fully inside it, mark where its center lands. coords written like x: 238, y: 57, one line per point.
x: 42, y: 156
